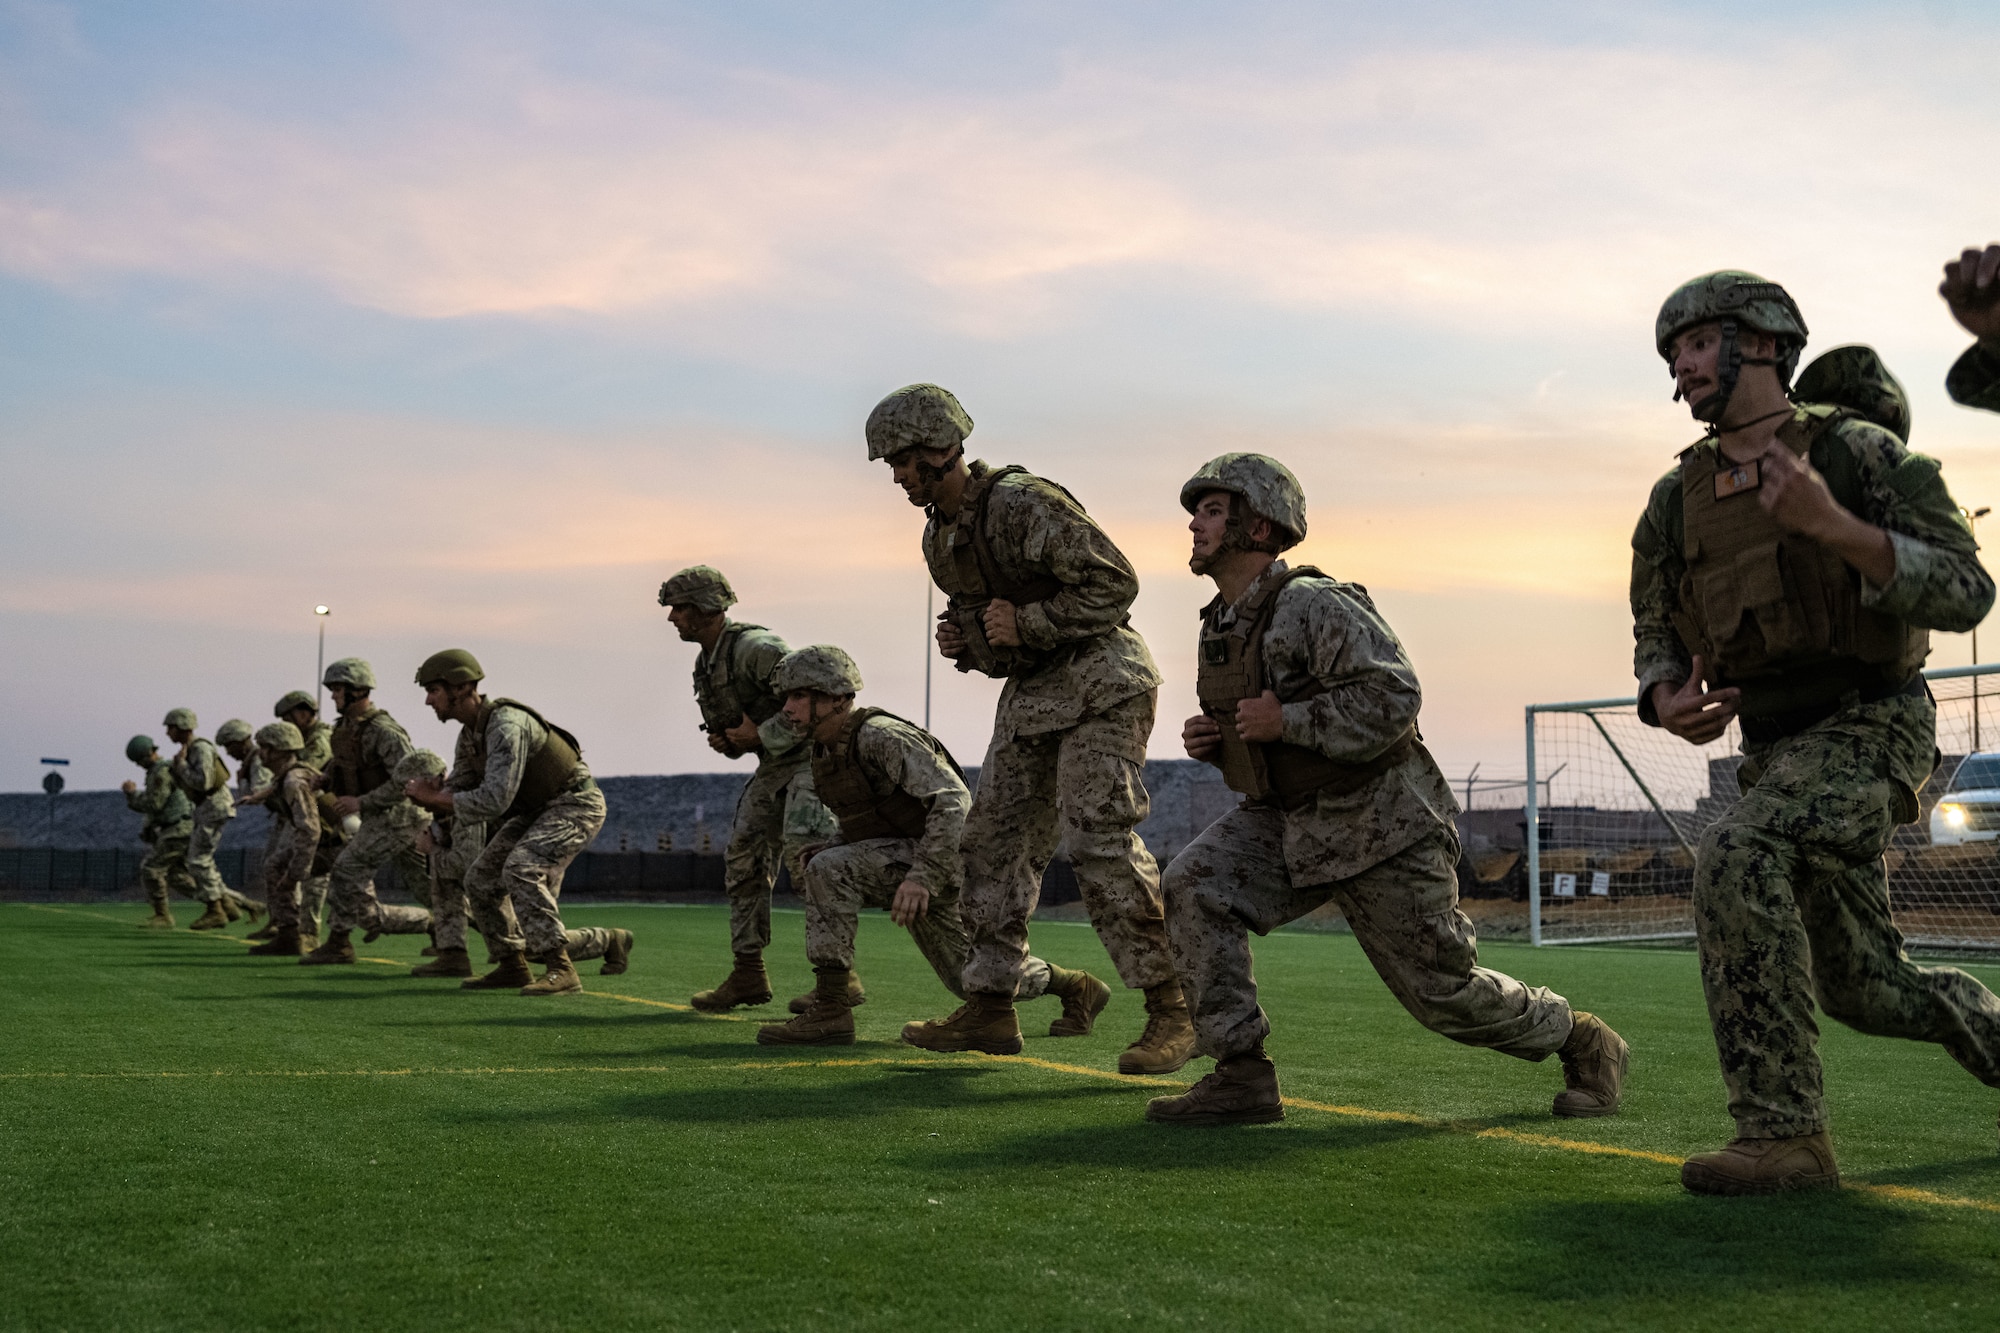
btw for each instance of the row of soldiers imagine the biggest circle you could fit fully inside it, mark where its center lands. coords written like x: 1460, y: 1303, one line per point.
x: 1784, y: 576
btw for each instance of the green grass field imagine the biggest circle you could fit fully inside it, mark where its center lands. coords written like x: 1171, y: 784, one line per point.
x: 195, y: 1138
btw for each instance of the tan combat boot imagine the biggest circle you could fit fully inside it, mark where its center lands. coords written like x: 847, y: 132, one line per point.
x: 253, y: 909
x: 448, y: 963
x: 1168, y: 1041
x: 161, y: 919
x: 512, y: 974
x: 829, y: 1021
x: 1763, y: 1166
x: 856, y: 997
x: 263, y: 932
x: 983, y: 1023
x: 558, y: 976
x: 308, y: 941
x: 335, y: 948
x: 1594, y: 1061
x: 747, y: 984
x: 215, y: 918
x: 282, y: 944
x: 617, y: 954
x: 230, y: 911
x: 1240, y: 1090
x: 1083, y: 999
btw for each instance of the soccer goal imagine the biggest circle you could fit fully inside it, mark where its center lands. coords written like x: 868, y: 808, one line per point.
x: 1616, y: 808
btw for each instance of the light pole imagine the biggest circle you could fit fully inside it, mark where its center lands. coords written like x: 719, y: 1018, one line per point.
x: 1972, y: 517
x: 320, y: 613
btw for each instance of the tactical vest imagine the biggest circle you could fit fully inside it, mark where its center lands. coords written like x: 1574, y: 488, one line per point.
x: 549, y: 770
x: 1231, y: 669
x: 843, y: 786
x: 178, y: 809
x: 981, y: 581
x: 352, y: 772
x: 723, y: 702
x: 1773, y: 612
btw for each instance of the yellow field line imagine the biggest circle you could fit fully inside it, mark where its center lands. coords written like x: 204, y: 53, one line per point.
x: 1901, y: 1193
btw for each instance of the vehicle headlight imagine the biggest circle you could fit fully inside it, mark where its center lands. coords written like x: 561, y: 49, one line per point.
x: 1954, y: 815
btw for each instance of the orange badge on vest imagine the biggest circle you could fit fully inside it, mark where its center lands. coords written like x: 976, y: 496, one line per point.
x: 1737, y: 478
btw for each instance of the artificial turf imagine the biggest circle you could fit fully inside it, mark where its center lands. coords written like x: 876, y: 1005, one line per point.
x: 193, y: 1137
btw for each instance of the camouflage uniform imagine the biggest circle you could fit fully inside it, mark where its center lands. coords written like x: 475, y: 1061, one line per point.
x: 194, y: 770
x: 319, y: 746
x: 390, y: 822
x: 1067, y: 758
x: 291, y: 848
x: 1386, y: 852
x: 457, y: 842
x: 514, y: 882
x: 1974, y: 378
x: 776, y: 816
x: 251, y: 775
x: 845, y: 877
x: 1791, y: 892
x: 169, y: 822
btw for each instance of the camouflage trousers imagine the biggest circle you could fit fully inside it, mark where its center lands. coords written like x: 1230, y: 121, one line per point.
x: 512, y: 886
x: 1083, y: 787
x: 840, y: 881
x: 588, y: 943
x: 165, y: 867
x: 776, y: 818
x: 1404, y: 914
x: 200, y: 860
x: 450, y: 907
x: 1791, y: 904
x: 355, y: 904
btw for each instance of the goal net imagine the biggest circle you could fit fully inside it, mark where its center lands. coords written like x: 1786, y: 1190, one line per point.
x: 1617, y: 808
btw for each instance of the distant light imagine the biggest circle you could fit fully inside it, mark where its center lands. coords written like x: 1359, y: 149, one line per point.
x: 55, y: 761
x: 321, y: 611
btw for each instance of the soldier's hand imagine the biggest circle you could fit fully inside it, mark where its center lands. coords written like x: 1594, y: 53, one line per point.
x: 346, y: 805
x: 1971, y: 287
x: 950, y: 639
x: 717, y: 743
x: 911, y: 904
x: 1003, y: 626
x: 744, y: 736
x: 128, y: 787
x: 1261, y: 719
x: 1693, y: 712
x: 1797, y: 498
x: 1201, y: 737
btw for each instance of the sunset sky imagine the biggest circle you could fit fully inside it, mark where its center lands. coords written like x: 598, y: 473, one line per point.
x: 476, y: 321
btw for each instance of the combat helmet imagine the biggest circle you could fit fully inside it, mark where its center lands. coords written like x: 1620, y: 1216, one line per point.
x: 280, y: 736
x: 232, y: 731
x: 180, y: 717
x: 1736, y: 300
x: 296, y: 699
x: 1267, y: 487
x: 418, y: 764
x: 453, y: 666
x: 139, y: 747
x: 916, y: 416
x: 1853, y: 376
x: 818, y: 666
x: 702, y: 587
x: 350, y: 671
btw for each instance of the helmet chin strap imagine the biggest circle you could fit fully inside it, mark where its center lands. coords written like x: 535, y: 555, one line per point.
x: 1729, y: 363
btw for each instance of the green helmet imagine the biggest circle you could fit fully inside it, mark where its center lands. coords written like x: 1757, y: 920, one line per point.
x: 139, y: 747
x: 1734, y: 299
x: 350, y: 671
x: 280, y: 736
x: 232, y: 731
x: 1854, y: 376
x: 700, y: 586
x: 418, y: 764
x: 1267, y: 487
x: 453, y: 666
x: 916, y: 416
x: 818, y: 666
x: 296, y: 699
x: 180, y: 717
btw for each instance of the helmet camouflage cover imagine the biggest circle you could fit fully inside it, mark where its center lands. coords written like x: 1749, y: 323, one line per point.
x: 280, y: 736
x: 702, y: 587
x: 235, y: 729
x: 296, y: 699
x: 1854, y: 376
x: 139, y: 747
x: 350, y: 671
x: 818, y: 666
x: 1267, y: 486
x: 453, y: 666
x: 180, y: 717
x: 418, y: 764
x: 1730, y: 294
x: 916, y: 416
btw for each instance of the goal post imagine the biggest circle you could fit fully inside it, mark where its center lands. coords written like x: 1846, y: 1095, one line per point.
x: 1613, y: 810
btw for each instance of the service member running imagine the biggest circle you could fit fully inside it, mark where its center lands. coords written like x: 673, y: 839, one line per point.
x: 1784, y: 575
x: 169, y: 824
x: 199, y: 772
x: 293, y: 842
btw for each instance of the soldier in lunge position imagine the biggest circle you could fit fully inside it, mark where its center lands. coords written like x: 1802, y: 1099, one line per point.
x: 1039, y: 596
x: 199, y: 772
x: 1785, y: 575
x: 169, y: 823
x: 901, y: 803
x: 1309, y: 707
x: 293, y: 842
x: 524, y: 779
